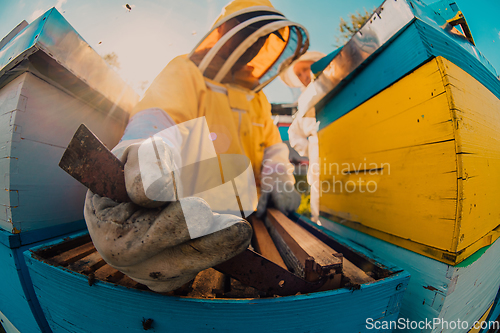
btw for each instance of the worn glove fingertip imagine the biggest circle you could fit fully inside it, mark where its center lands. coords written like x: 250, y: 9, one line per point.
x: 237, y: 236
x: 244, y: 232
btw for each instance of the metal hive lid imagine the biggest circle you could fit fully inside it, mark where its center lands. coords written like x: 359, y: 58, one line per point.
x: 52, y: 48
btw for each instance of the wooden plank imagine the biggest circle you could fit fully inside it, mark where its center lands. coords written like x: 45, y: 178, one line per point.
x: 183, y: 290
x: 316, y: 256
x: 68, y: 244
x: 108, y: 273
x: 75, y: 254
x: 208, y: 284
x: 354, y: 273
x: 88, y: 263
x: 264, y: 244
x: 349, y: 270
x: 128, y: 282
x: 291, y: 261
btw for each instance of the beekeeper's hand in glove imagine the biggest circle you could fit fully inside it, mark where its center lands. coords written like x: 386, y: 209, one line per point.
x: 148, y: 239
x: 277, y: 182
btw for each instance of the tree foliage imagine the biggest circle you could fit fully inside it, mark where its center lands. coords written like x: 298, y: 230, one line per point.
x: 351, y: 26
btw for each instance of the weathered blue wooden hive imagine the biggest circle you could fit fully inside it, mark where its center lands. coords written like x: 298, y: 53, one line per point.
x: 411, y: 105
x: 51, y: 81
x: 115, y: 302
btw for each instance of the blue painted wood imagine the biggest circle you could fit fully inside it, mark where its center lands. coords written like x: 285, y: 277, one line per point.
x: 433, y: 16
x: 321, y: 64
x: 30, y: 237
x: 12, y: 304
x: 9, y: 240
x: 283, y: 132
x: 436, y: 290
x: 112, y: 308
x: 26, y: 238
x: 18, y: 301
x: 421, y: 41
x: 387, y: 67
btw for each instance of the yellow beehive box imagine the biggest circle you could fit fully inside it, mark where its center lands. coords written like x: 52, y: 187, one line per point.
x: 418, y: 165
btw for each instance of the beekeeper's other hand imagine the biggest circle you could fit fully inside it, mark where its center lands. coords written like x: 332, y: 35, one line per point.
x: 277, y: 182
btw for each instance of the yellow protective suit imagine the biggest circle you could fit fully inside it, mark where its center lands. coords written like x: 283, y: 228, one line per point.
x: 240, y: 119
x: 238, y: 114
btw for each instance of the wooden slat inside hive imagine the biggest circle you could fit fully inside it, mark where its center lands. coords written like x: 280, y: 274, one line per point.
x: 307, y: 250
x: 85, y: 259
x: 80, y: 255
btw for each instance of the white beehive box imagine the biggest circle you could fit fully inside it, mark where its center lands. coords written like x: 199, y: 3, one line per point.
x: 51, y: 81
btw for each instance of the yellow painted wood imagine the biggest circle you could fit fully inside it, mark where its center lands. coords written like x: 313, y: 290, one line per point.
x: 451, y: 258
x: 477, y: 132
x: 390, y: 167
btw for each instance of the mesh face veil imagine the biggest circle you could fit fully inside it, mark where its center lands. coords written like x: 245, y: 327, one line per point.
x: 250, y: 47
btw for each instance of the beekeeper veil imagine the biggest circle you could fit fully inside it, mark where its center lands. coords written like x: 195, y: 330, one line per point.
x: 249, y: 45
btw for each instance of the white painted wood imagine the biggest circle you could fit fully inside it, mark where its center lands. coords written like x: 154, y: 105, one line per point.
x: 37, y: 122
x: 7, y: 325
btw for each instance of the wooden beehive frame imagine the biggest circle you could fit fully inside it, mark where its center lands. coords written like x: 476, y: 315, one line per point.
x: 79, y: 255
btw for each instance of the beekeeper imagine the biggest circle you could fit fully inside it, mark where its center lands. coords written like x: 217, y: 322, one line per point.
x: 303, y: 132
x: 205, y: 113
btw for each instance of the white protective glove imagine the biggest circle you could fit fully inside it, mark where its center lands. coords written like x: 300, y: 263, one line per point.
x: 303, y: 135
x: 157, y: 240
x: 277, y: 182
x: 299, y: 131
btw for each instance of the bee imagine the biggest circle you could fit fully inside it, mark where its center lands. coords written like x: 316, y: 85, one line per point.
x: 128, y: 7
x: 353, y: 286
x: 91, y: 278
x: 147, y: 323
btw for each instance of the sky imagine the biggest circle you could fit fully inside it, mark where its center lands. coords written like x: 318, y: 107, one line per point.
x: 153, y: 32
